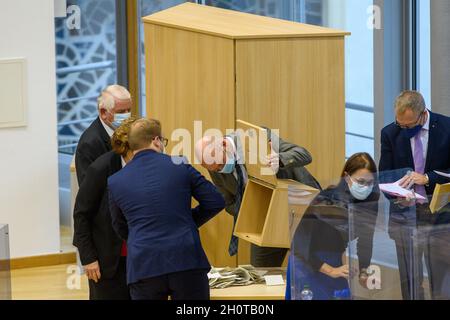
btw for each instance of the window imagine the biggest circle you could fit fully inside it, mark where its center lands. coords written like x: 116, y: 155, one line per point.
x: 145, y: 8
x: 424, y: 50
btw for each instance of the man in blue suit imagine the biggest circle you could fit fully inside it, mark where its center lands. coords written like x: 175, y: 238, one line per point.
x: 150, y: 203
x: 415, y: 146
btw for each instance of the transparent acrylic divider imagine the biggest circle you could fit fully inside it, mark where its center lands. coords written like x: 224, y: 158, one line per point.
x: 395, y: 249
x: 5, y: 275
x: 373, y: 252
x: 431, y: 254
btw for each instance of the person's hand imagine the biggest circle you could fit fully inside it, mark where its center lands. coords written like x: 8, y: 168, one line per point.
x: 93, y: 271
x: 363, y: 278
x: 412, y: 179
x: 273, y: 159
x: 407, y: 202
x: 341, y: 272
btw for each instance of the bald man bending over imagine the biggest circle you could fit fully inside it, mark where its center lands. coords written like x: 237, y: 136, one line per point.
x: 225, y: 163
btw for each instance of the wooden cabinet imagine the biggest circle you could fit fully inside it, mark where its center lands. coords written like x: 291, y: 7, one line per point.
x: 215, y: 66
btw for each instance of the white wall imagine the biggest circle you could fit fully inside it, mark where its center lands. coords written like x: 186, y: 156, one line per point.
x: 28, y: 156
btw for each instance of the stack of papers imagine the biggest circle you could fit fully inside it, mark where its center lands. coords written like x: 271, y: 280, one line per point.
x: 395, y: 190
x: 220, y: 278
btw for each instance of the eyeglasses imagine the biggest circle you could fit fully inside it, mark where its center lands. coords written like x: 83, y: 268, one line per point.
x: 409, y: 126
x: 164, y: 141
x: 363, y: 182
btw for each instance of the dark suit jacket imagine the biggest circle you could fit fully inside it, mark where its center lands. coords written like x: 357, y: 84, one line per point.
x: 150, y: 201
x: 325, y: 226
x: 94, y: 142
x: 93, y: 233
x: 396, y: 153
x: 293, y: 159
x: 397, y: 158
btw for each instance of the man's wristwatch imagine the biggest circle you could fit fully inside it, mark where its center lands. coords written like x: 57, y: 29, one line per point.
x: 428, y: 180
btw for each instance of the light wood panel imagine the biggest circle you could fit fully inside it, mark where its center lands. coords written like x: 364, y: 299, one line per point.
x: 264, y: 215
x: 43, y: 260
x: 47, y: 283
x: 301, y: 92
x: 234, y: 24
x: 133, y: 53
x: 190, y: 77
x: 50, y: 283
x: 441, y: 197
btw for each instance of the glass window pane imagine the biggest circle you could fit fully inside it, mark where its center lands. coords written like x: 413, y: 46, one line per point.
x: 354, y: 117
x: 275, y: 9
x: 424, y: 45
x: 86, y: 64
x: 145, y: 8
x: 357, y: 144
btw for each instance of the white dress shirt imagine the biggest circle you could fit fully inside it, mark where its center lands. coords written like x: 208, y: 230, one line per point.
x: 424, y: 135
x: 107, y: 128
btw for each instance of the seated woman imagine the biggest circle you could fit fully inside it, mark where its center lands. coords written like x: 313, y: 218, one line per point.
x: 318, y: 258
x: 102, y: 252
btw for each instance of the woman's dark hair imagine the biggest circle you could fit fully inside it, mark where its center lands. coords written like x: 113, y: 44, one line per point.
x: 357, y: 162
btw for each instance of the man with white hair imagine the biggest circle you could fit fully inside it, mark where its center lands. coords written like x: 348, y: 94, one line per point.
x: 114, y: 106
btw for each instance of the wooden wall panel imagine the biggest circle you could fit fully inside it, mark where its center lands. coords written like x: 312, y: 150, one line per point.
x: 297, y: 86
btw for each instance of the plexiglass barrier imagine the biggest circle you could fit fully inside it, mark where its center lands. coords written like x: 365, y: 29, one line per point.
x: 5, y: 276
x: 385, y: 247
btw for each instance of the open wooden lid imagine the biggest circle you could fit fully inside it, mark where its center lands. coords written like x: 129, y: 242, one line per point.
x: 255, y: 147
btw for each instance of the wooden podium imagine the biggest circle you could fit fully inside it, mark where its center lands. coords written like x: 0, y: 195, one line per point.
x: 215, y: 66
x: 264, y: 215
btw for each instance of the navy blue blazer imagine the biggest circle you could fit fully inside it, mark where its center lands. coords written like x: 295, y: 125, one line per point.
x: 397, y: 157
x: 150, y: 204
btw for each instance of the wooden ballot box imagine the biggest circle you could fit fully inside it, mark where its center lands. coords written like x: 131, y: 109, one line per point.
x: 441, y: 197
x: 207, y: 67
x: 265, y: 217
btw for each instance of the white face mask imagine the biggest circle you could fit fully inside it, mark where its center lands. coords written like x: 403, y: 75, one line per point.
x: 359, y: 191
x: 119, y: 118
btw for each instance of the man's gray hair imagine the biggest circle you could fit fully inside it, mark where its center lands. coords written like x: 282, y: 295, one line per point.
x: 108, y: 98
x: 410, y: 100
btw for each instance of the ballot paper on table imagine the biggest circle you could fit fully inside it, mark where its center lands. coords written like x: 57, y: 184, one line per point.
x: 396, y: 190
x: 274, y: 280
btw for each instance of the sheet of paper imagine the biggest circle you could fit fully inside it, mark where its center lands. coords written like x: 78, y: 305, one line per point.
x: 447, y: 175
x: 214, y: 275
x: 276, y: 280
x: 396, y: 190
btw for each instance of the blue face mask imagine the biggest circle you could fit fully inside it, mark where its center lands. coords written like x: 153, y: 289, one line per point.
x: 229, y: 166
x: 360, y: 192
x: 412, y: 132
x: 119, y: 118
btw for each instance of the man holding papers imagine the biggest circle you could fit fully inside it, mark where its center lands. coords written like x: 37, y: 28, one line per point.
x: 416, y: 145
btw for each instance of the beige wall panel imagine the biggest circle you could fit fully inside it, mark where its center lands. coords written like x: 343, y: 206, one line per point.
x: 297, y: 86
